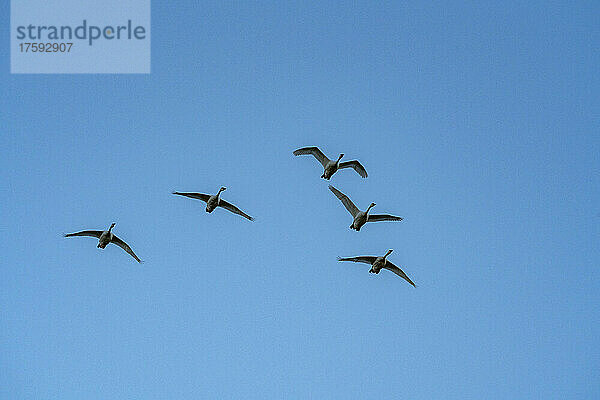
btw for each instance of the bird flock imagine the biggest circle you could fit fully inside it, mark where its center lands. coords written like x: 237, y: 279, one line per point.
x: 330, y: 167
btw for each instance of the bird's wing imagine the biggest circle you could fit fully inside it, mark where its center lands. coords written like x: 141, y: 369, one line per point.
x: 352, y: 209
x: 361, y: 259
x: 391, y: 267
x: 199, y: 196
x: 383, y: 217
x: 95, y: 234
x: 315, y: 152
x: 234, y: 209
x: 125, y: 247
x: 356, y: 165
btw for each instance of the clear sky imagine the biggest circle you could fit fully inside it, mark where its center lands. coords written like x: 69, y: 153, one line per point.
x: 479, y: 124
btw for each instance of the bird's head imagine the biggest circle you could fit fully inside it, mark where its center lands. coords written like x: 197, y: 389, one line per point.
x: 388, y: 253
x: 223, y: 188
x: 340, y: 157
x: 372, y: 205
x: 111, y: 226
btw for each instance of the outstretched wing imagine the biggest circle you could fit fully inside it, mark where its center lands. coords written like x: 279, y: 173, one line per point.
x: 234, y: 209
x: 359, y: 259
x: 383, y: 217
x: 199, y: 196
x: 95, y: 234
x: 356, y: 165
x: 352, y: 209
x: 125, y: 247
x: 391, y: 267
x: 315, y: 152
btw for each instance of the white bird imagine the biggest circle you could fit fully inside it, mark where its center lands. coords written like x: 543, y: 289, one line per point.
x: 361, y: 217
x: 106, y: 237
x: 379, y: 263
x: 215, y: 201
x: 330, y: 167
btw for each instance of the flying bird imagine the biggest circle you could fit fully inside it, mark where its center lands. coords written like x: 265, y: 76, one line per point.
x: 215, y: 201
x: 379, y: 263
x: 361, y: 217
x: 330, y: 167
x: 106, y: 237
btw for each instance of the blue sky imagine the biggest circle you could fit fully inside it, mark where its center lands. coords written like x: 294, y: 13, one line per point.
x: 477, y: 123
